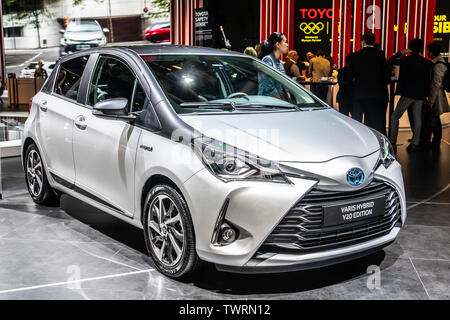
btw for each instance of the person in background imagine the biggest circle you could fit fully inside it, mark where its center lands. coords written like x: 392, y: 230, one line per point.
x: 291, y: 65
x: 413, y: 87
x: 319, y: 68
x: 40, y: 72
x: 437, y: 99
x: 371, y: 74
x: 258, y: 49
x: 344, y: 96
x: 271, y: 51
x: 251, y: 52
x: 333, y: 66
x: 307, y: 63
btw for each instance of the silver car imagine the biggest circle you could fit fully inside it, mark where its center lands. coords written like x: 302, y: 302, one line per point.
x: 82, y: 35
x: 216, y: 156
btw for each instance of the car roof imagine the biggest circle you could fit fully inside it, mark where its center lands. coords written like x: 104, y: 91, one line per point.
x: 142, y: 50
x: 173, y: 49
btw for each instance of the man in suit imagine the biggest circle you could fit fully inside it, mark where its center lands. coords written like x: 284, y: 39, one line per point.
x: 371, y: 74
x: 413, y: 87
x: 344, y: 96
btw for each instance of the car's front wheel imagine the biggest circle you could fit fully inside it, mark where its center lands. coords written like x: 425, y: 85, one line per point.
x: 169, y: 232
x: 37, y: 183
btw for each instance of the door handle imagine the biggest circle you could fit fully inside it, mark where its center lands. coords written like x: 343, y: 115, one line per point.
x: 43, y: 105
x: 80, y: 122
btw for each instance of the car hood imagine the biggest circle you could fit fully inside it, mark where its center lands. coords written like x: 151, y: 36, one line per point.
x: 304, y: 136
x: 83, y: 36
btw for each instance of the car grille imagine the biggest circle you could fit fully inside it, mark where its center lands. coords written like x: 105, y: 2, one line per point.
x: 301, y: 229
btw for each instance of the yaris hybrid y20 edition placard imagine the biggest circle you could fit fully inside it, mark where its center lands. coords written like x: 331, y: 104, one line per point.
x: 216, y: 156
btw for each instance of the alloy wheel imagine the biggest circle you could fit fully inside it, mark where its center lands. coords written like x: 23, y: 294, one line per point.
x: 34, y: 173
x: 166, y: 230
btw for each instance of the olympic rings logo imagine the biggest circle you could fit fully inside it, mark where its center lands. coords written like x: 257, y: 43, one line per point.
x: 312, y: 27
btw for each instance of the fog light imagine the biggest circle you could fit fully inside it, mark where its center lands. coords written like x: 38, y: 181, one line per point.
x: 228, y: 234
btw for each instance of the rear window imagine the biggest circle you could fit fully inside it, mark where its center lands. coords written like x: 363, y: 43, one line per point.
x: 69, y: 77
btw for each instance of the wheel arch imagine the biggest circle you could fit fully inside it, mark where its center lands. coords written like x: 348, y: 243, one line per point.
x: 28, y: 141
x: 150, y: 183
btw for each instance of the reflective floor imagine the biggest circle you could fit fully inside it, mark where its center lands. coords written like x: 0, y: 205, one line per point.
x: 78, y: 252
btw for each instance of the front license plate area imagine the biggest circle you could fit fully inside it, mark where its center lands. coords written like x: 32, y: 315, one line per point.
x: 353, y: 211
x: 83, y: 46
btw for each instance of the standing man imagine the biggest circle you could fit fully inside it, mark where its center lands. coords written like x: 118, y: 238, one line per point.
x: 345, y: 94
x: 371, y: 74
x: 319, y: 67
x: 40, y: 71
x: 437, y: 100
x: 413, y: 87
x: 291, y: 65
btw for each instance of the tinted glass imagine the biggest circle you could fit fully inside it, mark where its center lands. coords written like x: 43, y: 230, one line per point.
x: 112, y: 79
x: 139, y: 99
x: 83, y: 27
x: 69, y: 77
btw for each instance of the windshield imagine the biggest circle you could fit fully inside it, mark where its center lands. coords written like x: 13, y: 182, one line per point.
x: 83, y: 27
x: 202, y: 83
x: 32, y: 65
x: 160, y: 25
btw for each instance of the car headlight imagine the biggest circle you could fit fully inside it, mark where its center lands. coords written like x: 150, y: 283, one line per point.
x: 229, y: 163
x: 386, y: 151
x: 102, y: 41
x: 63, y: 42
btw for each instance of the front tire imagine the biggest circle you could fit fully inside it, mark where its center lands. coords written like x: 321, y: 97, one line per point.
x: 37, y: 183
x: 169, y: 232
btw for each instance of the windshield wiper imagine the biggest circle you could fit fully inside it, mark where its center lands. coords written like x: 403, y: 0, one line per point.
x: 227, y: 106
x: 254, y: 105
x: 312, y: 106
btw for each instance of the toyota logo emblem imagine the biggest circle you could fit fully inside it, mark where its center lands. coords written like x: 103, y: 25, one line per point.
x: 355, y: 176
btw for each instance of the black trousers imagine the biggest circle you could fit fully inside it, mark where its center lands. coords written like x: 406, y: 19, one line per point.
x: 346, y: 107
x: 321, y: 91
x: 431, y: 126
x: 374, y: 111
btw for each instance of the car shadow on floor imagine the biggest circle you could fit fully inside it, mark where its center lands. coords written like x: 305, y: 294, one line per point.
x: 223, y: 282
x: 288, y: 282
x: 106, y: 224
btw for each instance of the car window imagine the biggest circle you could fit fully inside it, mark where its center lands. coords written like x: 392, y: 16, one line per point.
x: 191, y: 79
x: 85, y: 26
x: 139, y: 99
x: 32, y: 66
x: 112, y: 79
x: 69, y: 77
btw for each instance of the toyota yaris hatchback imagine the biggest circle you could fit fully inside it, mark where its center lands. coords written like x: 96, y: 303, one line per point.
x: 216, y: 156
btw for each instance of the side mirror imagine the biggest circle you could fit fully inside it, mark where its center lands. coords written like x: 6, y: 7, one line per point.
x: 105, y: 30
x: 62, y: 31
x: 115, y: 108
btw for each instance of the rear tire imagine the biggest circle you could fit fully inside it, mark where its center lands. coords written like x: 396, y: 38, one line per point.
x: 169, y: 232
x: 37, y: 183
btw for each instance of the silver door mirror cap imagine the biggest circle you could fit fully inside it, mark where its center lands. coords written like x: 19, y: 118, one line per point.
x: 114, y: 108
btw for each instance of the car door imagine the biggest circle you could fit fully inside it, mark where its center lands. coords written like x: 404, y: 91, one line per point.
x: 57, y: 113
x: 105, y: 149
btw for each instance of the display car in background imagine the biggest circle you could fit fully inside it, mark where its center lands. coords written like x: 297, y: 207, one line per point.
x: 216, y: 156
x: 82, y: 35
x: 28, y: 71
x: 159, y: 32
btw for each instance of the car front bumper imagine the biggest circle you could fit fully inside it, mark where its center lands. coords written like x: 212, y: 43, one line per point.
x: 256, y: 209
x: 71, y: 48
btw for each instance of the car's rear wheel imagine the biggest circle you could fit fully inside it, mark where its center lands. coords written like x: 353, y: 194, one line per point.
x: 37, y: 183
x: 169, y: 232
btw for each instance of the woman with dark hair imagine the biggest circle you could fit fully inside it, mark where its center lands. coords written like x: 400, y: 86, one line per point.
x: 271, y: 51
